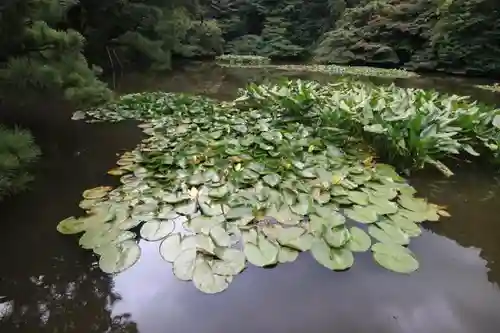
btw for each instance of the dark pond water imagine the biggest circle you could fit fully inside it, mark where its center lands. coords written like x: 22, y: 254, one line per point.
x: 48, y: 284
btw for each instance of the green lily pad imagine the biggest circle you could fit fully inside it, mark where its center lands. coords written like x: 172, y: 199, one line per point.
x: 408, y: 226
x: 157, y: 229
x: 334, y: 259
x: 388, y: 233
x: 220, y: 236
x: 188, y: 208
x: 362, y: 214
x: 116, y: 259
x: 383, y: 206
x: 96, y: 192
x: 71, y: 225
x: 394, y: 257
x: 302, y: 243
x: 337, y: 237
x: 263, y: 253
x: 272, y: 179
x: 219, y: 192
x: 206, y: 280
x: 231, y: 262
x: 358, y: 197
x: 413, y: 204
x: 239, y: 212
x: 359, y: 241
x: 184, y: 264
x: 287, y: 255
x: 170, y: 247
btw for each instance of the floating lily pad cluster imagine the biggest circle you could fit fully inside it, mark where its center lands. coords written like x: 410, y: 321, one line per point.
x: 218, y: 187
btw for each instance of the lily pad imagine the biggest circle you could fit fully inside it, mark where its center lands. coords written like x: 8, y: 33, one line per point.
x: 359, y: 241
x: 157, y: 229
x: 337, y: 237
x: 394, y: 257
x: 206, y: 280
x: 220, y: 236
x: 170, y: 247
x: 116, y: 259
x: 71, y: 225
x: 272, y: 179
x: 263, y: 253
x: 184, y: 264
x: 358, y: 197
x: 96, y: 192
x: 362, y: 214
x: 287, y: 255
x: 388, y: 233
x: 232, y: 261
x: 334, y: 259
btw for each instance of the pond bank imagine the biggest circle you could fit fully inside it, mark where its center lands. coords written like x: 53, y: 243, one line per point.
x: 54, y: 286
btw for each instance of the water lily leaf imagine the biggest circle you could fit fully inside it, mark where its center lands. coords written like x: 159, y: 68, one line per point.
x: 210, y: 209
x: 307, y: 173
x: 285, y: 216
x: 388, y: 233
x: 264, y: 253
x: 128, y: 224
x: 413, y: 204
x: 359, y: 241
x: 408, y: 226
x: 231, y: 262
x: 337, y: 237
x: 362, y: 214
x: 288, y: 234
x: 239, y: 212
x: 249, y: 236
x: 215, y: 134
x: 187, y: 209
x: 383, y: 206
x: 334, y: 259
x: 87, y: 204
x: 170, y: 247
x: 156, y: 229
x: 303, y: 243
x: 496, y: 121
x: 219, y: 192
x: 96, y: 192
x: 240, y: 128
x: 184, y: 264
x: 199, y: 223
x: 220, y: 236
x: 394, y: 257
x: 175, y: 198
x: 287, y: 255
x: 206, y: 280
x: 386, y: 170
x: 98, y: 236
x: 272, y: 179
x: 358, y: 197
x: 257, y: 167
x: 71, y: 225
x: 116, y: 259
x: 413, y: 216
x: 374, y: 128
x: 205, y: 244
x: 302, y: 206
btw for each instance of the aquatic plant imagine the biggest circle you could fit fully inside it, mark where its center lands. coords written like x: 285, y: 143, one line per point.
x: 407, y: 127
x: 17, y: 153
x: 334, y: 70
x: 491, y: 87
x: 221, y: 186
x: 234, y: 59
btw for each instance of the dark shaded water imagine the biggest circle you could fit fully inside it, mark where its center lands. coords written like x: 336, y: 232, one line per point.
x: 48, y: 284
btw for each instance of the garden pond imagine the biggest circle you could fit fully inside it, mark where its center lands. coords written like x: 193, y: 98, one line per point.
x: 49, y: 284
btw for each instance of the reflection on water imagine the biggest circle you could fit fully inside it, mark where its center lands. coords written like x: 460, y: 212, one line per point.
x: 48, y: 284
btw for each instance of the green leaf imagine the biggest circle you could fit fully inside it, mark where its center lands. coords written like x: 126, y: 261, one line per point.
x: 71, y: 225
x: 359, y: 241
x: 231, y: 262
x: 388, y: 233
x: 116, y: 259
x: 496, y: 121
x: 156, y: 229
x: 187, y: 209
x: 408, y: 226
x: 219, y: 192
x: 358, y: 197
x: 334, y: 259
x: 170, y: 247
x: 362, y: 214
x: 206, y: 280
x: 375, y: 128
x: 184, y: 264
x: 413, y: 204
x: 337, y: 237
x: 383, y: 206
x: 394, y: 257
x: 303, y: 243
x: 264, y: 253
x: 220, y: 236
x: 272, y: 179
x: 287, y: 255
x: 239, y: 212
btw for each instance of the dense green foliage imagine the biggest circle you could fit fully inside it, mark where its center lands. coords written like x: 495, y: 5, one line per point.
x: 454, y: 36
x: 17, y: 153
x: 60, y: 45
x: 258, y: 180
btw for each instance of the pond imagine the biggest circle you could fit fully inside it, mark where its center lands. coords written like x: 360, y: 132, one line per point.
x: 49, y: 284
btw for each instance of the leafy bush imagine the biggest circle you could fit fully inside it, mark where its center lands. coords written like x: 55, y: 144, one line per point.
x: 408, y: 127
x: 17, y: 153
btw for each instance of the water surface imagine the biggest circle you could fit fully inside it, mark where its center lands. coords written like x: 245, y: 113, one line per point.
x: 49, y: 284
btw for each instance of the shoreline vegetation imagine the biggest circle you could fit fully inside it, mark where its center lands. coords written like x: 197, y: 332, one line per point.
x: 284, y: 168
x: 265, y: 63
